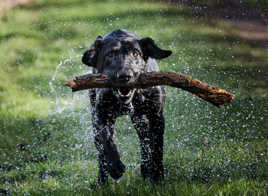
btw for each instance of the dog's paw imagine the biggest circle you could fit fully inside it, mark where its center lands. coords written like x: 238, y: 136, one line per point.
x: 116, y: 169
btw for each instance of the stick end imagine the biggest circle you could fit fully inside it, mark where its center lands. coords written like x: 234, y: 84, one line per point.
x: 70, y: 84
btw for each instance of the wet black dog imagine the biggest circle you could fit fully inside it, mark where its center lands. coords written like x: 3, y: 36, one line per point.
x: 122, y: 55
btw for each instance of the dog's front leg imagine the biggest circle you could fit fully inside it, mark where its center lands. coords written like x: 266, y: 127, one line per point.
x: 141, y: 124
x: 109, y: 158
x: 150, y: 130
x: 156, y: 127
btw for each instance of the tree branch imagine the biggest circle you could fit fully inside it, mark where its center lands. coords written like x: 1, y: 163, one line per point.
x: 211, y: 94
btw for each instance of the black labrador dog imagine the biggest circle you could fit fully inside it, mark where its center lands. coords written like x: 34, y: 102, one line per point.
x: 122, y: 55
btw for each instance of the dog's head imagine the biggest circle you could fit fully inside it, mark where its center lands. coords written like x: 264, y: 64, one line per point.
x: 122, y: 59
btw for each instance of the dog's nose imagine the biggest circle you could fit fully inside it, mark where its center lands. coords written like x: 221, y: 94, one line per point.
x: 125, y: 76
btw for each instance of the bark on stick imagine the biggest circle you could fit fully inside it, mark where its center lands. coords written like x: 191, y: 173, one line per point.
x: 211, y: 94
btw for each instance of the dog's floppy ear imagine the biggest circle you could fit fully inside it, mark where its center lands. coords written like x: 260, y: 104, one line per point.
x: 150, y: 49
x: 90, y: 56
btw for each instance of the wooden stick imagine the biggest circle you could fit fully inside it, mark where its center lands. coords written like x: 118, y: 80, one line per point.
x: 211, y: 94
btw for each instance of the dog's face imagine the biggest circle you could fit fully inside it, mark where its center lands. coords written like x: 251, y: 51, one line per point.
x: 122, y: 60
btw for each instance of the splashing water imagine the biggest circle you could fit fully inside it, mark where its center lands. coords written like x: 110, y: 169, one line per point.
x: 196, y: 128
x: 51, y: 85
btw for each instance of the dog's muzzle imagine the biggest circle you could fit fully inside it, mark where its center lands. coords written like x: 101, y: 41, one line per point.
x: 124, y: 76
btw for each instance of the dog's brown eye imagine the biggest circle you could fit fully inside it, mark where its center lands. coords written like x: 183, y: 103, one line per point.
x: 135, y: 54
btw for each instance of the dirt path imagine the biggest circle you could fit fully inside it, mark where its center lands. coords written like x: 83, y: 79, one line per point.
x: 6, y: 5
x: 255, y: 33
x: 251, y: 24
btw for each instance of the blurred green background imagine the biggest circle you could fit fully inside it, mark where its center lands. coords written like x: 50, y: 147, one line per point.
x: 46, y: 144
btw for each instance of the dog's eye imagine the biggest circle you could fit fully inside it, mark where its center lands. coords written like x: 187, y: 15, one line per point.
x: 135, y: 54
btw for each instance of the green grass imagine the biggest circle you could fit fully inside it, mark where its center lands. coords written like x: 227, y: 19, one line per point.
x: 46, y: 143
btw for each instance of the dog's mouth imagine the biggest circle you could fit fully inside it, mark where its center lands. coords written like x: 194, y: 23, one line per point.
x: 125, y: 94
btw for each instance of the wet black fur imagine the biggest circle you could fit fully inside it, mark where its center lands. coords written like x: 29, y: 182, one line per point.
x: 113, y: 55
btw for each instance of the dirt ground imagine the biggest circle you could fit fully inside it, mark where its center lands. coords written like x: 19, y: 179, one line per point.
x: 251, y: 23
x: 6, y: 5
x: 255, y: 33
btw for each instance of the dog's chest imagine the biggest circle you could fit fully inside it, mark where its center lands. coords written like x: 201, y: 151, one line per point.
x: 136, y: 105
x: 126, y: 109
